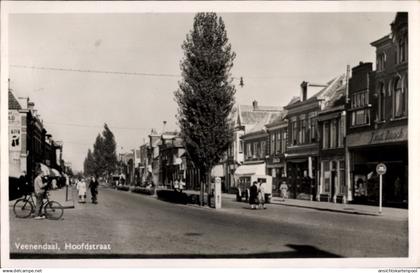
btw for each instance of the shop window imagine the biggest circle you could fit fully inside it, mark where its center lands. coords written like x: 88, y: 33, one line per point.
x: 342, y: 178
x: 327, y: 175
x: 399, y: 103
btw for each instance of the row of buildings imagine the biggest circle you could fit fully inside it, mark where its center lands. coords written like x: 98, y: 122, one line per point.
x: 325, y: 143
x: 30, y: 145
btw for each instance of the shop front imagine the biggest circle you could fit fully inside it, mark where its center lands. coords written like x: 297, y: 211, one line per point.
x: 276, y: 166
x: 367, y: 150
x: 301, y: 176
x: 247, y: 174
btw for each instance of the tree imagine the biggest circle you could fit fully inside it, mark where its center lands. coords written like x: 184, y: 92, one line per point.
x: 98, y: 156
x: 206, y: 94
x: 110, y: 151
x: 89, y: 164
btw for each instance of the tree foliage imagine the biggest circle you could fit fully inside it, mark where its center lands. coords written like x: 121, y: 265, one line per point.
x: 103, y: 160
x: 206, y: 94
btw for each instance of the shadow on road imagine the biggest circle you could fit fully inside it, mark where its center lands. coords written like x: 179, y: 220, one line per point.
x: 299, y: 251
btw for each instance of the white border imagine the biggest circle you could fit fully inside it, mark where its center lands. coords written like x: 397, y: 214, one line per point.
x: 413, y: 7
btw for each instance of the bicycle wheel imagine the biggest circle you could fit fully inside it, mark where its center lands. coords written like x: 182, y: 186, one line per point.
x: 53, y: 210
x: 23, y: 208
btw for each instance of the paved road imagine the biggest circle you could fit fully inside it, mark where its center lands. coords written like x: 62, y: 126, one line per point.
x: 139, y: 226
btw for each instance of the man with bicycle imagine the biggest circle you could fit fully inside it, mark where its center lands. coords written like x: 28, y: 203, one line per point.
x: 39, y: 189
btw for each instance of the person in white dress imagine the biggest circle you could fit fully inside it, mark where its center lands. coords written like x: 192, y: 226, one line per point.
x: 81, y: 189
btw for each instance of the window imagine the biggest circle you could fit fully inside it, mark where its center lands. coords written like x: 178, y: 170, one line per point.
x: 380, y: 63
x: 241, y: 146
x: 272, y: 143
x: 333, y: 132
x: 248, y: 150
x: 256, y: 150
x: 399, y: 103
x: 341, y: 131
x: 302, y: 131
x: 360, y: 117
x: 327, y: 175
x: 312, y: 130
x: 381, y: 101
x: 342, y: 179
x: 326, y: 135
x: 294, y: 132
x: 402, y: 49
x: 262, y: 154
x: 284, y: 141
x: 278, y: 142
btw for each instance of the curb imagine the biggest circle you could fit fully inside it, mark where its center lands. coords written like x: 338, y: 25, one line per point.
x: 327, y: 209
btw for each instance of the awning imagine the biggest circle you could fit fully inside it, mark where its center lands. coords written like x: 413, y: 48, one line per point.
x: 254, y: 169
x: 45, y: 169
x: 54, y: 172
x: 218, y: 170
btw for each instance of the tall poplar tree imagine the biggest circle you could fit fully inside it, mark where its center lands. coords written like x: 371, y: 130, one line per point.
x: 206, y: 94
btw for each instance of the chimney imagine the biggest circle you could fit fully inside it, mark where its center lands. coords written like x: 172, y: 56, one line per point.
x: 304, y: 91
x: 255, y: 104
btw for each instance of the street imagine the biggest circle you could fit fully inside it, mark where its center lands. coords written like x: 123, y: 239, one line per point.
x: 140, y: 226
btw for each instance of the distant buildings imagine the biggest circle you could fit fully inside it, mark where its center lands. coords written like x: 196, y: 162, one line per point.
x: 30, y: 146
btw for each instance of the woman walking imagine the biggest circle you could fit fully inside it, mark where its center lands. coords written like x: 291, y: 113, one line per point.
x: 253, y: 195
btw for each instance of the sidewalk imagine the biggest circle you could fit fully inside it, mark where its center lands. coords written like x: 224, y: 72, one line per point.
x: 58, y: 195
x: 331, y: 207
x: 343, y: 208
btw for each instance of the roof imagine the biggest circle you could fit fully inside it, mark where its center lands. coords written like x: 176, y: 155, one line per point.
x: 13, y: 102
x: 277, y: 120
x: 260, y: 126
x: 248, y: 115
x: 337, y: 98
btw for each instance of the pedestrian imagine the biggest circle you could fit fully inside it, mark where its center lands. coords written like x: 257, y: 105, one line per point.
x: 93, y: 185
x: 283, y: 189
x: 261, y: 196
x: 81, y: 188
x: 39, y: 189
x: 253, y: 195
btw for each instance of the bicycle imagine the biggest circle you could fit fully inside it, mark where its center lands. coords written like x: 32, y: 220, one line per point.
x: 25, y: 206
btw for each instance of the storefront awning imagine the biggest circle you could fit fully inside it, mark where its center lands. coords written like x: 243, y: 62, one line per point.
x: 45, y: 169
x: 54, y: 172
x: 255, y: 169
x: 218, y: 170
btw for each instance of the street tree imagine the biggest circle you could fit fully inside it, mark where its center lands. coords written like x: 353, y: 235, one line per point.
x: 98, y: 156
x: 206, y: 94
x: 109, y: 151
x: 89, y: 164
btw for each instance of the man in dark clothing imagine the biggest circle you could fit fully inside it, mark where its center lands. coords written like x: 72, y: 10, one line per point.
x: 93, y: 185
x: 253, y: 194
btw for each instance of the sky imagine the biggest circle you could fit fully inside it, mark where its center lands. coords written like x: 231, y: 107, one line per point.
x: 275, y: 52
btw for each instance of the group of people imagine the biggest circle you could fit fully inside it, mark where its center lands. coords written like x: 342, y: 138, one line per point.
x: 82, y: 188
x: 257, y: 196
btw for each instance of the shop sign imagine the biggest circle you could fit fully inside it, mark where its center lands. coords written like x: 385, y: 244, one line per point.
x: 389, y: 135
x: 14, y: 131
